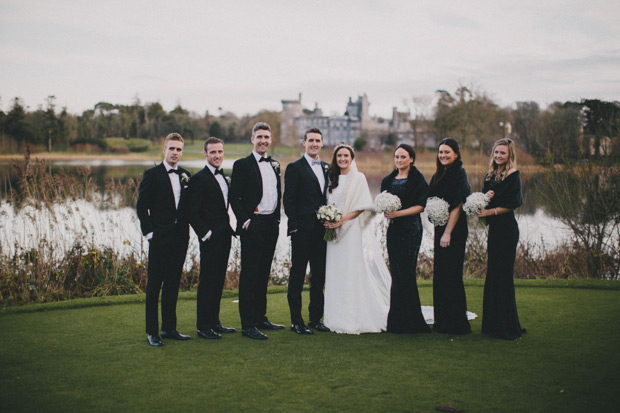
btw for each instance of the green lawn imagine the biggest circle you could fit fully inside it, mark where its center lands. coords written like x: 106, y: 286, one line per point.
x: 91, y: 355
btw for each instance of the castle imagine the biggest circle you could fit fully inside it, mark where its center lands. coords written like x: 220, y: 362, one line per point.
x: 355, y: 123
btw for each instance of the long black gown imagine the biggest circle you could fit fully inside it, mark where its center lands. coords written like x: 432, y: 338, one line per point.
x: 450, y: 303
x: 404, y: 237
x: 499, y: 310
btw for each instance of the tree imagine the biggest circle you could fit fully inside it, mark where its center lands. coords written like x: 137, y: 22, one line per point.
x: 215, y: 130
x: 527, y: 125
x: 155, y: 114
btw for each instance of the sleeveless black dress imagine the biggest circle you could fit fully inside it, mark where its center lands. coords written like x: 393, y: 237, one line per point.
x: 499, y: 311
x: 449, y: 301
x: 404, y: 236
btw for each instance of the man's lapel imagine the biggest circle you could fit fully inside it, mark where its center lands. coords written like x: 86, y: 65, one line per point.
x: 307, y: 169
x: 168, y: 185
x: 256, y: 169
x: 214, y: 182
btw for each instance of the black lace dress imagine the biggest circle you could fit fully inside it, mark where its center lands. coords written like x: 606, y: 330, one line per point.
x: 404, y: 237
x: 499, y: 311
x: 449, y: 301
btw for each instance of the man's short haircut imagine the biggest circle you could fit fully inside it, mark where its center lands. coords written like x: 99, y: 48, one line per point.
x: 313, y: 130
x: 212, y: 140
x: 173, y: 137
x: 260, y: 126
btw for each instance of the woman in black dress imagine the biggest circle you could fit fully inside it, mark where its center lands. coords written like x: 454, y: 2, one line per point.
x: 503, y: 185
x: 450, y: 184
x: 404, y: 236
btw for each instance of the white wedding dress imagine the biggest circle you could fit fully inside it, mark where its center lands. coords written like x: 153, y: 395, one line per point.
x: 357, y: 281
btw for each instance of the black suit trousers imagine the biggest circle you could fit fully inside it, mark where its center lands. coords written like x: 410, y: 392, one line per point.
x: 166, y: 259
x: 214, y: 254
x: 307, y: 247
x: 258, y: 245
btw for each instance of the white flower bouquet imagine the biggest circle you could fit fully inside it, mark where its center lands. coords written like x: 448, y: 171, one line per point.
x: 387, y: 202
x: 475, y: 202
x: 438, y: 211
x: 329, y: 213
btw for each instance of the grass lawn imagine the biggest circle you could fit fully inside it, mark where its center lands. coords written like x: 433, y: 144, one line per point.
x: 92, y: 355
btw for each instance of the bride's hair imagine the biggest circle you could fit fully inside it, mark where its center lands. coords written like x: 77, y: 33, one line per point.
x: 334, y: 169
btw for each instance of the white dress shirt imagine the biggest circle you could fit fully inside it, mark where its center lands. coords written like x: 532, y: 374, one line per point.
x: 269, y: 201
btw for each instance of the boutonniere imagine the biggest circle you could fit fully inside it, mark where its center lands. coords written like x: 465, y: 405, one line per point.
x: 276, y: 166
x: 227, y: 179
x: 184, y: 177
x: 325, y: 168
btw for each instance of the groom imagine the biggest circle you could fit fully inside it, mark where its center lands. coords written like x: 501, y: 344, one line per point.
x: 305, y: 189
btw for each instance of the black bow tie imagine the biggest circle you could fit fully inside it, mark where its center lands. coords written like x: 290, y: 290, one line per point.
x: 218, y: 171
x: 263, y: 159
x: 174, y: 171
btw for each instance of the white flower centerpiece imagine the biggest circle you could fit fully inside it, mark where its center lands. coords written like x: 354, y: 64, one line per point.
x: 475, y: 202
x: 438, y: 211
x: 329, y: 213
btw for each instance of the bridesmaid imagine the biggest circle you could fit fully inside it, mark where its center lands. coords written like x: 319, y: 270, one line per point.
x: 450, y: 183
x: 404, y: 237
x: 502, y: 184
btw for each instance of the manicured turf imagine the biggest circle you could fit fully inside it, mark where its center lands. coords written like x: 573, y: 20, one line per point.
x: 87, y: 355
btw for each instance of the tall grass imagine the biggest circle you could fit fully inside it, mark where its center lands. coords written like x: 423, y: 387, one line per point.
x: 63, y: 237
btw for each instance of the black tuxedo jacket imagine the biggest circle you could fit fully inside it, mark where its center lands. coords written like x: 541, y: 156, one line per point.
x: 156, y: 209
x: 246, y: 189
x: 303, y: 195
x: 207, y: 209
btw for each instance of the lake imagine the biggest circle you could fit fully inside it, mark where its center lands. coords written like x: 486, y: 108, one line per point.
x: 119, y: 228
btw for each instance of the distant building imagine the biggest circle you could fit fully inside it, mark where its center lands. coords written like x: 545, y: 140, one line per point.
x: 355, y: 123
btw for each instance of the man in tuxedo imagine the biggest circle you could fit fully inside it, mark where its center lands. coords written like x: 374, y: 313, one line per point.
x: 162, y: 211
x: 208, y: 205
x: 255, y: 199
x: 305, y: 189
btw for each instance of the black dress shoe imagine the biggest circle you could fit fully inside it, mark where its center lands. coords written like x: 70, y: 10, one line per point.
x: 254, y: 333
x: 268, y: 325
x: 209, y: 333
x: 318, y: 326
x: 154, y: 341
x: 174, y: 335
x: 221, y: 329
x: 301, y: 329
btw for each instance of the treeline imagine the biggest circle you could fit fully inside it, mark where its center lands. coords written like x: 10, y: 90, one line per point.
x: 561, y: 132
x: 50, y: 129
x: 569, y: 131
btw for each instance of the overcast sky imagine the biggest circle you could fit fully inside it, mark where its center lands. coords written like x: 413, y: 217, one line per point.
x: 247, y: 55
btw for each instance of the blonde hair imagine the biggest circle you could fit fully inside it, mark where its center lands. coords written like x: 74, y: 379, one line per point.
x: 173, y: 137
x: 493, y: 172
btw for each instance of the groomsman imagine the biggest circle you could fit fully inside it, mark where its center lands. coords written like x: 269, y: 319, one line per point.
x: 305, y: 189
x: 255, y: 199
x: 208, y: 196
x: 162, y: 211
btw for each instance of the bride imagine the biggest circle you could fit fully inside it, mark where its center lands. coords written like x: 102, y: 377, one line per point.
x: 357, y: 281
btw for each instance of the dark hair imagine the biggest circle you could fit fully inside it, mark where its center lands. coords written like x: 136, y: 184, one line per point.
x: 260, y: 126
x: 334, y: 169
x: 313, y: 130
x: 212, y: 140
x: 409, y: 150
x: 441, y: 170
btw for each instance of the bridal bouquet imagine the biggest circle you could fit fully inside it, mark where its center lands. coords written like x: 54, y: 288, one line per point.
x: 438, y: 211
x: 329, y: 213
x: 387, y: 202
x: 475, y: 203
